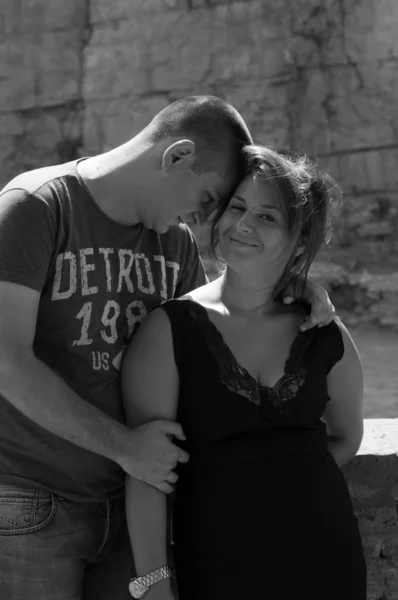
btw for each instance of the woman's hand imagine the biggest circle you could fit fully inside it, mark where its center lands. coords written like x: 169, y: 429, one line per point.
x: 322, y: 309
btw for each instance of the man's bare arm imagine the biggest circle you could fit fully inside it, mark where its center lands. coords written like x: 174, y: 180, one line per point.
x: 42, y: 396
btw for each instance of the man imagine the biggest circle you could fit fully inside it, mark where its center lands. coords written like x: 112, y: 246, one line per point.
x: 86, y: 250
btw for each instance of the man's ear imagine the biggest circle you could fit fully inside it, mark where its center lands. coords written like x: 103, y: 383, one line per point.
x: 181, y: 153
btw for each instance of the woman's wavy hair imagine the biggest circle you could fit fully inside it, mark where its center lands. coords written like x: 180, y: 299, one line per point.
x: 309, y: 201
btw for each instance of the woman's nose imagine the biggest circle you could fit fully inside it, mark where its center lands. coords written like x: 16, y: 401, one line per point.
x: 244, y: 222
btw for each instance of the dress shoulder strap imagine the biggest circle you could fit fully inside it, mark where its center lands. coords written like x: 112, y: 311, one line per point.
x: 329, y: 343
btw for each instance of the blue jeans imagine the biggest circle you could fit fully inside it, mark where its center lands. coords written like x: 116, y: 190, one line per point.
x: 54, y: 549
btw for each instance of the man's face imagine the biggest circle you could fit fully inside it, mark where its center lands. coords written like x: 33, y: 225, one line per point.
x: 185, y: 196
x: 192, y: 200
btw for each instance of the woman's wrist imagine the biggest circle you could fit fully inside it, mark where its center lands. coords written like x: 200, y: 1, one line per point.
x: 161, y: 589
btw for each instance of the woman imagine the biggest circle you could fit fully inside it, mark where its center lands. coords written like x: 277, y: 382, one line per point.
x: 262, y: 509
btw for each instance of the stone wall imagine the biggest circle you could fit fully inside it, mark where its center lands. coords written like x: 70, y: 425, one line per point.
x: 373, y: 481
x: 41, y: 73
x: 320, y: 76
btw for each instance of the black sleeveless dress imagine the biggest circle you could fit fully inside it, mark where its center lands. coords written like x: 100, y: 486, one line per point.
x: 261, y: 509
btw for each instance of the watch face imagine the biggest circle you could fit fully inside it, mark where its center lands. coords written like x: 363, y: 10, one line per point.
x: 137, y: 589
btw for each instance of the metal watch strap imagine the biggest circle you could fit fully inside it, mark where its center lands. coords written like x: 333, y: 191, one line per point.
x: 155, y: 576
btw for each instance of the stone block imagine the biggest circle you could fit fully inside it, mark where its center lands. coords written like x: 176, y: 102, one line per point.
x: 110, y: 122
x: 364, y: 174
x: 260, y: 104
x: 342, y: 107
x: 120, y: 71
x: 57, y: 88
x: 104, y: 36
x: 42, y: 136
x: 18, y: 17
x: 103, y: 11
x: 370, y: 30
x: 10, y: 125
x: 372, y: 477
x: 18, y: 90
x: 39, y: 70
x: 56, y: 50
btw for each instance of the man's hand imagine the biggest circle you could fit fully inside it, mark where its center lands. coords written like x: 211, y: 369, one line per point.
x: 322, y: 310
x: 150, y: 456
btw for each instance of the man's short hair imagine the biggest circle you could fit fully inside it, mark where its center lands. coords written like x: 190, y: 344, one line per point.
x: 216, y: 128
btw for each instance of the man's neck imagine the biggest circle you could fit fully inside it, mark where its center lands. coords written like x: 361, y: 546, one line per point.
x: 115, y: 181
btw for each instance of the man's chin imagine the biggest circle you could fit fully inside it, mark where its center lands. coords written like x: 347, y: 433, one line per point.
x: 161, y: 229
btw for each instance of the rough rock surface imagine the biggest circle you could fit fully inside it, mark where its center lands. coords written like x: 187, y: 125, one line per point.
x: 360, y: 296
x: 373, y: 481
x: 41, y: 70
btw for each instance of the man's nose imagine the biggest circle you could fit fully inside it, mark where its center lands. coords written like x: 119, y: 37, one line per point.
x: 199, y: 217
x: 206, y: 211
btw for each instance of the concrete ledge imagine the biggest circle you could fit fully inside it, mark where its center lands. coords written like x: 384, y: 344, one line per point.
x: 372, y: 477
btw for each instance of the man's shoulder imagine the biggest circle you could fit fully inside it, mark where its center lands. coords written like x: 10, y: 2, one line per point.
x: 32, y: 182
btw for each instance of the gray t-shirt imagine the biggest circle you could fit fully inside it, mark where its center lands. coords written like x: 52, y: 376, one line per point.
x: 97, y: 280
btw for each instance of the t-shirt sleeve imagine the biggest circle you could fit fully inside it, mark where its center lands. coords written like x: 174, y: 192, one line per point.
x: 27, y: 238
x: 192, y: 273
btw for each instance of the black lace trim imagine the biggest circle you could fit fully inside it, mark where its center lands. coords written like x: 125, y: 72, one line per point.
x: 285, y: 390
x: 237, y: 379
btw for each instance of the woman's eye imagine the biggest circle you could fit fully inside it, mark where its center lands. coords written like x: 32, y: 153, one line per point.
x: 268, y: 218
x: 237, y: 208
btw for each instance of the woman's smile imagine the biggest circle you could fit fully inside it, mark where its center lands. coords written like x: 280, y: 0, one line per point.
x: 235, y: 240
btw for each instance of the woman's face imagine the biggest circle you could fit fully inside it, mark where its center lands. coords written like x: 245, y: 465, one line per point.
x: 253, y: 234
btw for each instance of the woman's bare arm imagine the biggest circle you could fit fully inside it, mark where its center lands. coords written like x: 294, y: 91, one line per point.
x: 150, y: 386
x: 344, y: 412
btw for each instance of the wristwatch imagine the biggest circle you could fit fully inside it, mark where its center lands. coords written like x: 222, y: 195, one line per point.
x: 139, y: 586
